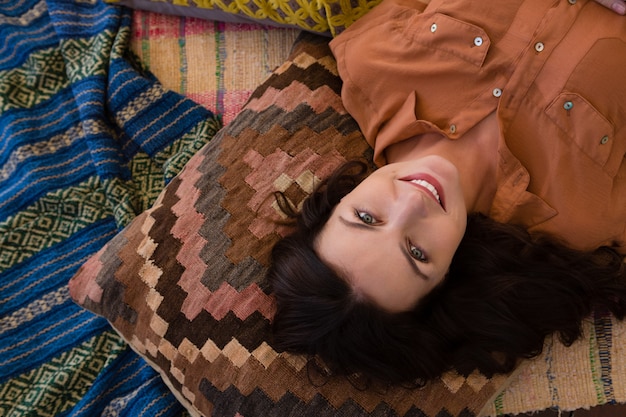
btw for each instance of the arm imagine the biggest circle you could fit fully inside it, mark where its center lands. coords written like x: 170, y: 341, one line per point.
x: 618, y: 6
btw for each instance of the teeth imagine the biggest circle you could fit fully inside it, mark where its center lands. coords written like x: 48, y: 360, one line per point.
x: 429, y: 187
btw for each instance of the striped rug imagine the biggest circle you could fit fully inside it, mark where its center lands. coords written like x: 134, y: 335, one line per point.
x: 87, y: 140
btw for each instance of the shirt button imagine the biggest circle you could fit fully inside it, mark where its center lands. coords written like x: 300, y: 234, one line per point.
x: 478, y: 41
x: 433, y: 27
x: 568, y: 105
x: 452, y: 129
x: 539, y: 46
x: 604, y: 140
x: 496, y: 92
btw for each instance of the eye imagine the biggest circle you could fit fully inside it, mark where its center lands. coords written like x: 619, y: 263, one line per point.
x: 417, y: 253
x: 365, y: 217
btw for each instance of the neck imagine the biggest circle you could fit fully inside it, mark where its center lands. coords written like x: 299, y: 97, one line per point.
x: 475, y: 155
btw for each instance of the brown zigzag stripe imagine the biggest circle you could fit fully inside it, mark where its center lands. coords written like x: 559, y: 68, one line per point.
x: 252, y: 331
x: 322, y: 78
x: 223, y: 368
x: 91, y: 292
x: 305, y: 60
x: 252, y: 334
x: 250, y: 300
x: 295, y: 381
x: 317, y: 47
x: 326, y: 133
x: 225, y: 298
x: 317, y: 99
x: 118, y: 291
x: 250, y: 366
x: 164, y: 219
x: 256, y: 403
x: 258, y: 121
x: 164, y: 255
x: 232, y: 403
x: 188, y: 222
x: 335, y: 390
x: 210, y: 202
x: 343, y: 123
x: 104, y: 264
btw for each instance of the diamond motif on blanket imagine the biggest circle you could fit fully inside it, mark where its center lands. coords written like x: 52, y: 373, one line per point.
x: 40, y: 77
x: 83, y: 58
x: 72, y: 371
x: 35, y: 228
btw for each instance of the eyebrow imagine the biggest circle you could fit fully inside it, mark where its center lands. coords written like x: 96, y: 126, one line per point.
x: 410, y: 260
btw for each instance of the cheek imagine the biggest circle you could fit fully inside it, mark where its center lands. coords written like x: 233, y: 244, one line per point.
x: 457, y: 229
x: 449, y: 238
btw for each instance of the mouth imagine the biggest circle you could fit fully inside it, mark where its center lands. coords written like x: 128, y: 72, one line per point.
x: 430, y: 185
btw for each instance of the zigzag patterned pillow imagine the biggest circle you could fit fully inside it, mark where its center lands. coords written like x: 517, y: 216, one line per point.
x: 183, y: 283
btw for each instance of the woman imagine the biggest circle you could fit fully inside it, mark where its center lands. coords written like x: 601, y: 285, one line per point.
x: 499, y: 211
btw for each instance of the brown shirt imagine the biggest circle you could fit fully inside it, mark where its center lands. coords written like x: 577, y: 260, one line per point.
x: 553, y: 72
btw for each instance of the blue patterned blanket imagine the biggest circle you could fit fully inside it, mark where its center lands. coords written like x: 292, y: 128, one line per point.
x: 87, y: 141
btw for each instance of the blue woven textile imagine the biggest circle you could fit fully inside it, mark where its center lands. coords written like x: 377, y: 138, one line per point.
x: 87, y: 141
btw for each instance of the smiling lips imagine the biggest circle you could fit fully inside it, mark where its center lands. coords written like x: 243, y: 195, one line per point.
x: 428, y: 184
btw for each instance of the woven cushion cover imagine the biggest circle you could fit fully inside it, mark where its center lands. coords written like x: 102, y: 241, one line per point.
x: 327, y: 17
x: 184, y: 282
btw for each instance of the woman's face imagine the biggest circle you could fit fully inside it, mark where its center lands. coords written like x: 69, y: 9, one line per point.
x: 393, y: 237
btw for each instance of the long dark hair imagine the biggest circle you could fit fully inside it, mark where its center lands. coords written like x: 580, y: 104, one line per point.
x: 505, y: 292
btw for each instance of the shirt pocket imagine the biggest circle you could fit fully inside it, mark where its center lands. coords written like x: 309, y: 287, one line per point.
x: 590, y: 109
x: 450, y: 36
x: 586, y: 127
x: 449, y: 71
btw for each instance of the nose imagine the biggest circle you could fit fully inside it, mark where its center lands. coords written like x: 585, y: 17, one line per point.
x: 410, y: 204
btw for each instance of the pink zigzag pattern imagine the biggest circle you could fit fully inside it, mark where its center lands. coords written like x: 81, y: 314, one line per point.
x: 188, y: 222
x: 297, y: 93
x: 82, y: 286
x: 279, y: 164
x: 242, y: 304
